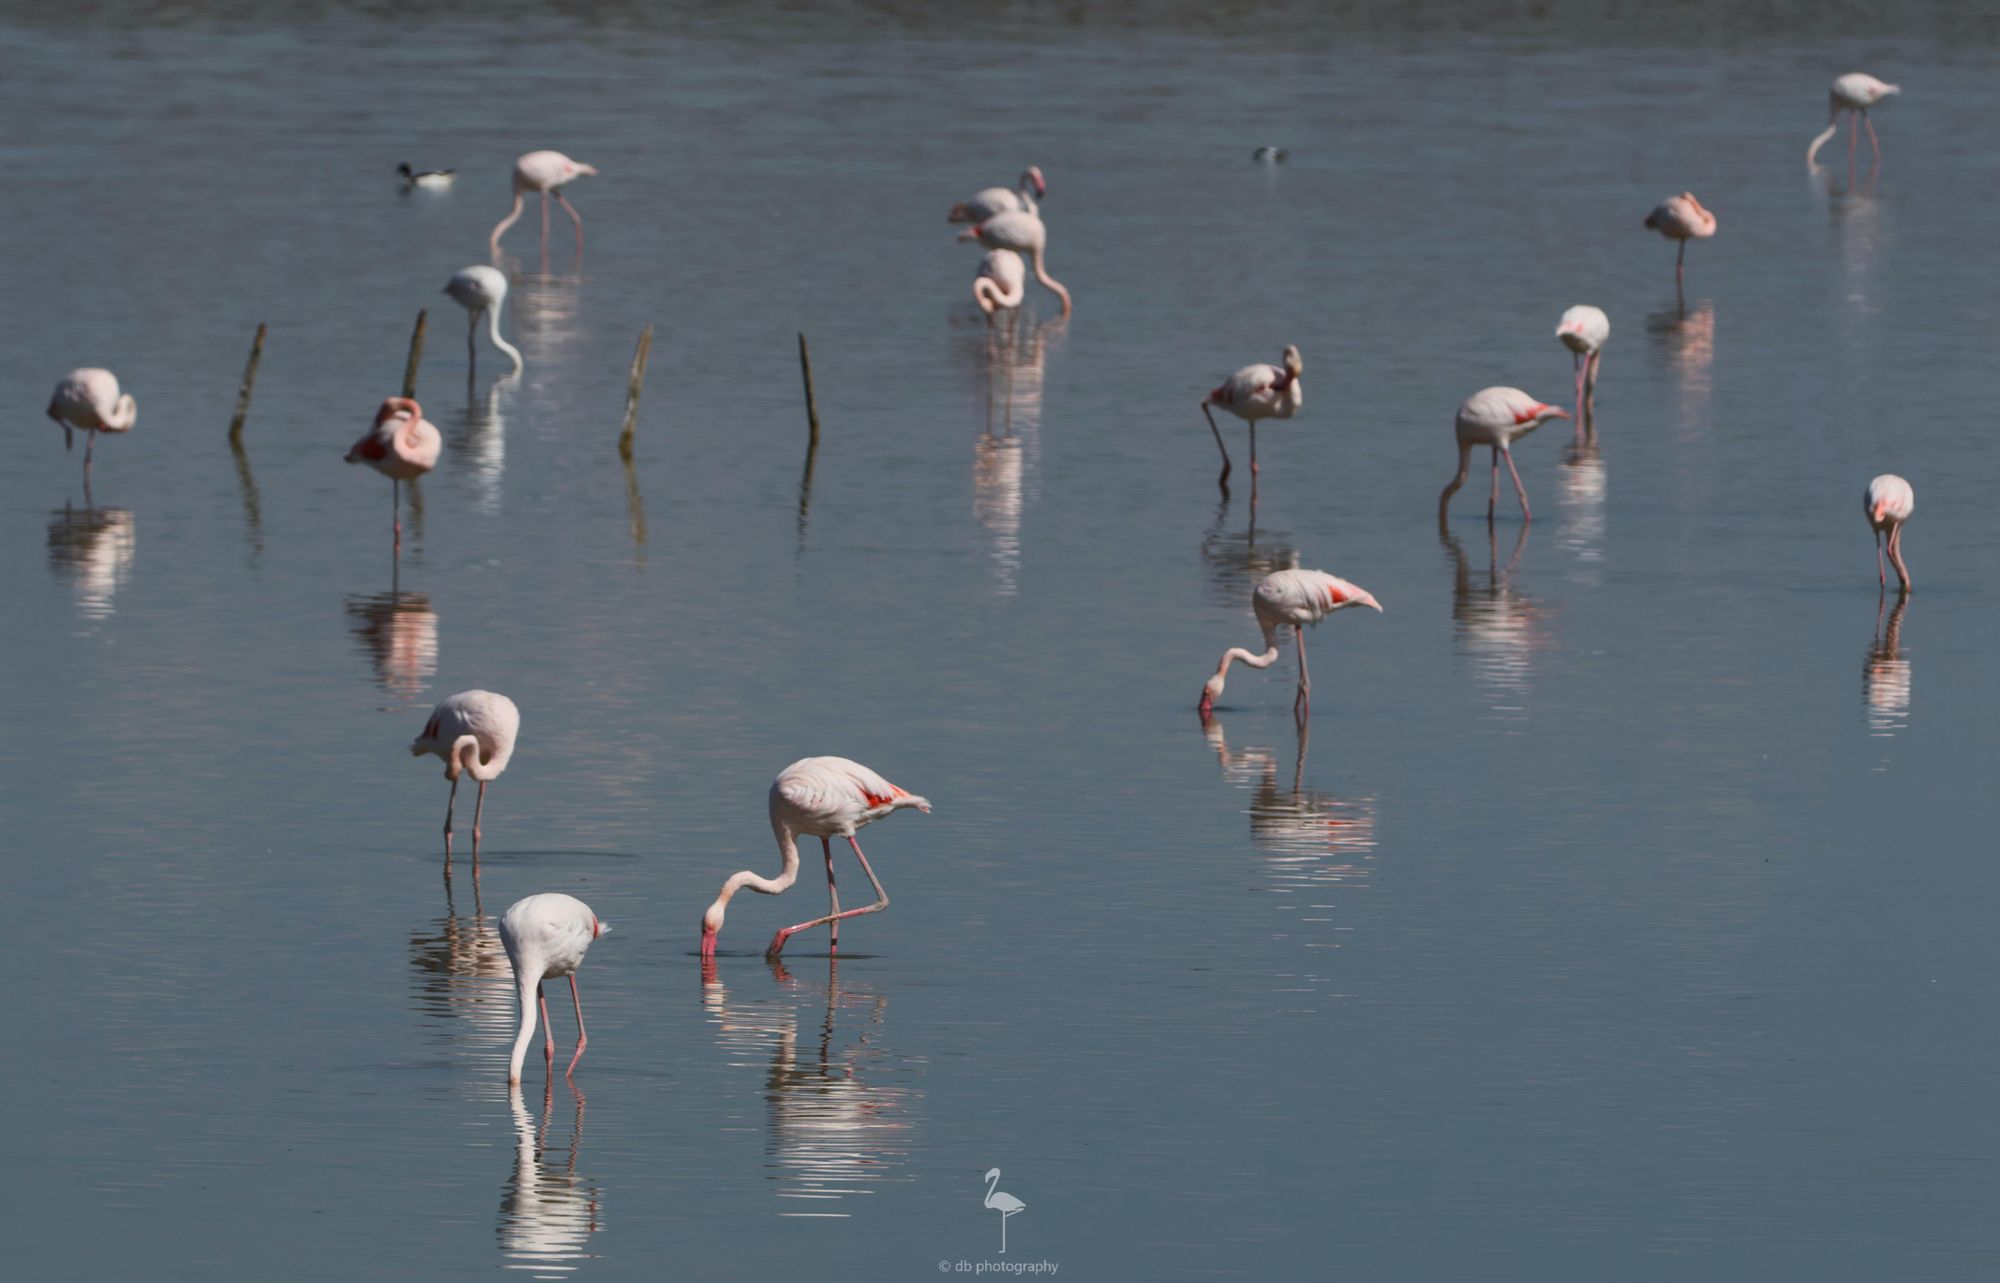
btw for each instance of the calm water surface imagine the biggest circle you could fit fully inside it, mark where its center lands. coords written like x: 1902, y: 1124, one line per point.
x: 1622, y: 915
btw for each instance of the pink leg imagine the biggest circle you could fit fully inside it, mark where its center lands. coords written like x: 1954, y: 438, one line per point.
x: 545, y: 226
x: 1253, y: 449
x: 548, y: 1033
x: 1519, y: 489
x: 89, y: 448
x: 477, y: 807
x: 396, y: 512
x: 1873, y: 142
x: 448, y: 807
x: 1576, y: 364
x: 582, y: 1039
x: 1881, y: 570
x: 1896, y: 556
x: 1853, y: 133
x: 832, y: 900
x: 1493, y: 500
x: 1680, y: 261
x: 1590, y: 381
x: 881, y: 903
x: 1224, y: 478
x: 1302, y: 704
x: 574, y: 217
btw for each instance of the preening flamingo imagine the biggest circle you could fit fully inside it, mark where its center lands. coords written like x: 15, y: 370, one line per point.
x: 1257, y: 392
x: 1002, y: 282
x: 1583, y: 330
x: 826, y: 798
x: 1853, y: 93
x: 88, y: 400
x: 546, y: 936
x: 547, y: 172
x: 1023, y: 232
x: 1889, y: 503
x: 1002, y: 1202
x: 1292, y: 598
x: 1497, y: 417
x: 430, y: 179
x: 1681, y: 218
x: 402, y: 446
x: 474, y: 732
x: 481, y: 289
x: 999, y: 200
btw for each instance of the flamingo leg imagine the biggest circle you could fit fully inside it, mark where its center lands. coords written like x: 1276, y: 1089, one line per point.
x: 69, y: 439
x: 477, y: 807
x: 1873, y: 142
x: 1881, y: 571
x: 574, y: 217
x: 1576, y: 366
x: 448, y: 807
x: 832, y: 900
x: 396, y: 512
x: 548, y: 1032
x: 545, y: 226
x: 1253, y: 451
x: 1222, y: 480
x: 881, y: 903
x: 1302, y: 704
x: 1896, y: 556
x: 89, y: 448
x: 471, y: 347
x: 1590, y: 381
x: 1519, y: 489
x: 1493, y: 500
x: 582, y: 1038
x: 1853, y: 133
x: 1680, y: 261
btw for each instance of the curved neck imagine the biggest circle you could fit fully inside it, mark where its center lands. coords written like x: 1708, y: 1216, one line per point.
x: 1050, y: 282
x: 513, y: 216
x: 788, y: 853
x: 1833, y: 126
x: 493, y: 332
x: 1238, y: 655
x: 992, y: 1183
x: 465, y: 757
x: 528, y: 984
x: 990, y: 295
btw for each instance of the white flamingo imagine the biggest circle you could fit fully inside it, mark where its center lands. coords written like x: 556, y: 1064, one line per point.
x: 1002, y: 1202
x: 1890, y: 500
x: 88, y: 400
x: 546, y: 936
x: 1583, y: 330
x: 547, y: 172
x: 999, y: 200
x: 1497, y: 417
x: 1291, y: 598
x: 402, y: 445
x: 482, y: 289
x: 1023, y: 232
x: 1002, y: 282
x: 1257, y: 392
x: 474, y: 732
x: 1853, y: 93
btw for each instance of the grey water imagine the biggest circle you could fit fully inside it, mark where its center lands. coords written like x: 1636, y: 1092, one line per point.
x: 1625, y: 910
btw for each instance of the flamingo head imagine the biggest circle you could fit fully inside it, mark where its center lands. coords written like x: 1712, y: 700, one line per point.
x: 1293, y: 362
x: 584, y: 171
x: 1209, y: 690
x: 1034, y: 175
x: 398, y: 407
x: 972, y: 233
x: 711, y: 927
x: 1875, y: 513
x: 992, y: 1174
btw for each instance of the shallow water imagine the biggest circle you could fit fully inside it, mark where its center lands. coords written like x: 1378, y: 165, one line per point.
x: 1621, y: 914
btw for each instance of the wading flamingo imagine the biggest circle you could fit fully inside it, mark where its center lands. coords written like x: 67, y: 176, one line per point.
x: 1681, y: 218
x: 826, y: 798
x: 1853, y: 93
x: 474, y: 732
x: 1583, y: 330
x: 1002, y: 282
x: 1295, y: 598
x: 1023, y: 232
x: 546, y: 936
x: 480, y: 289
x: 547, y: 172
x: 998, y: 200
x: 1002, y: 1202
x: 88, y: 400
x: 1497, y: 417
x: 1257, y: 392
x: 402, y: 446
x: 1889, y: 503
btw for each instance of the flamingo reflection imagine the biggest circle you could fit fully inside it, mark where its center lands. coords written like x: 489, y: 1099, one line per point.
x: 1885, y: 677
x: 1497, y: 627
x: 547, y: 1211
x: 461, y: 973
x: 1580, y: 495
x: 398, y: 631
x: 1237, y: 563
x: 1016, y: 360
x: 93, y: 548
x: 479, y: 440
x: 1687, y: 335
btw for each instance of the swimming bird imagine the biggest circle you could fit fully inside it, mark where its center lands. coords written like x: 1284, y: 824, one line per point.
x: 474, y: 732
x: 1497, y: 417
x: 1023, y: 232
x: 546, y: 936
x: 430, y: 179
x: 1854, y: 93
x: 1257, y: 392
x: 1004, y: 1203
x: 402, y: 446
x: 1681, y: 218
x: 88, y: 400
x: 1583, y: 330
x: 1002, y: 282
x: 1889, y: 501
x: 1291, y: 598
x: 480, y: 289
x: 1270, y: 155
x: 999, y: 200
x: 547, y: 172
x: 826, y: 798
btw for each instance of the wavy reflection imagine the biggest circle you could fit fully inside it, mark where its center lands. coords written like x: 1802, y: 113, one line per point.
x: 1687, y: 336
x: 837, y: 1128
x: 478, y: 440
x: 1580, y: 496
x: 547, y: 1211
x: 1885, y: 678
x: 1497, y: 628
x: 548, y: 316
x: 93, y: 548
x: 1856, y: 218
x: 1015, y: 360
x: 398, y: 631
x: 1237, y: 563
x: 461, y: 973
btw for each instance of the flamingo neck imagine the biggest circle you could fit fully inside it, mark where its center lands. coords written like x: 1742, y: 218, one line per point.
x: 528, y: 985
x: 493, y: 332
x: 1238, y: 655
x: 513, y: 216
x: 788, y: 873
x: 992, y: 1183
x: 989, y: 294
x: 1050, y: 282
x: 465, y: 759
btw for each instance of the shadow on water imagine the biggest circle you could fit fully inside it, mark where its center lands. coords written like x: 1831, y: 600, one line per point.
x: 547, y: 1210
x: 398, y: 632
x: 1495, y: 626
x: 1885, y: 677
x: 93, y: 548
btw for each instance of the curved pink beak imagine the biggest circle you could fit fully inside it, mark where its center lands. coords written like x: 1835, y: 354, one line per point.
x: 708, y: 935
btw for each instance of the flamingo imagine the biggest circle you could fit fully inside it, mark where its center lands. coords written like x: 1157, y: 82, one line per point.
x: 1889, y: 501
x: 1002, y: 282
x: 402, y: 446
x: 1854, y: 93
x: 998, y: 200
x: 822, y: 797
x: 88, y: 400
x: 1681, y: 218
x: 546, y: 172
x: 431, y: 179
x: 1257, y: 392
x: 480, y: 289
x: 473, y: 731
x: 1497, y: 417
x: 546, y: 936
x: 1023, y: 232
x: 1002, y: 1202
x: 1297, y: 598
x: 1583, y: 330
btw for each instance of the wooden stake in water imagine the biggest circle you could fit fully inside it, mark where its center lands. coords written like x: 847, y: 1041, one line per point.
x: 635, y: 386
x: 812, y: 407
x: 416, y: 354
x: 249, y: 382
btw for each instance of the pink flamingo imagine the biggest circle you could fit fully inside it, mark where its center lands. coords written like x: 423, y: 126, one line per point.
x: 88, y: 400
x: 826, y: 798
x: 474, y: 732
x: 546, y: 936
x: 1257, y: 392
x: 1022, y: 231
x: 547, y: 172
x: 999, y: 200
x: 1002, y: 282
x: 402, y: 446
x: 1584, y: 330
x: 1497, y: 417
x: 1295, y: 598
x: 1681, y: 218
x: 1889, y: 502
x: 1853, y: 93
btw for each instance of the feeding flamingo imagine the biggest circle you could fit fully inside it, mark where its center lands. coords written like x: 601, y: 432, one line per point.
x: 1002, y: 282
x: 481, y: 289
x: 547, y: 172
x: 1023, y: 232
x: 1295, y: 598
x: 546, y: 936
x: 1002, y: 1202
x: 88, y: 400
x: 1583, y: 330
x: 1853, y: 93
x: 1497, y: 417
x: 1681, y: 218
x: 402, y: 446
x: 1257, y: 392
x: 474, y: 732
x: 999, y: 200
x: 1889, y: 502
x: 826, y: 798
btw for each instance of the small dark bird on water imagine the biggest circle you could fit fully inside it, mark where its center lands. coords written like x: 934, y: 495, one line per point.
x: 431, y: 178
x: 1270, y: 155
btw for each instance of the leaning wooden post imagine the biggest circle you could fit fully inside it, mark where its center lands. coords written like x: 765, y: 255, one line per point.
x: 249, y: 382
x: 416, y: 354
x: 633, y: 387
x: 812, y: 407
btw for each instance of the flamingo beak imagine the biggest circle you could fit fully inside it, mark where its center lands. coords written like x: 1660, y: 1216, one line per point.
x: 1207, y: 705
x: 969, y: 234
x: 708, y: 935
